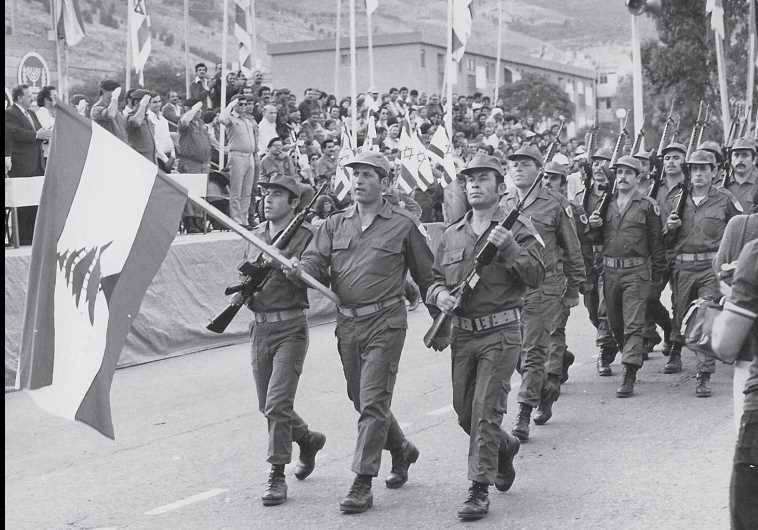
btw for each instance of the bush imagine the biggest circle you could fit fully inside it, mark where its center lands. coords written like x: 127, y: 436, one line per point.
x: 169, y: 40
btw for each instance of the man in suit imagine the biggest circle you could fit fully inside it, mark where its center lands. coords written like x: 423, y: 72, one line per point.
x: 23, y: 127
x: 200, y: 88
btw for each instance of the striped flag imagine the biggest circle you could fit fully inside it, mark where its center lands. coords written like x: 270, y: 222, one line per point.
x: 139, y: 36
x: 440, y: 153
x: 716, y: 10
x: 425, y: 173
x: 369, y: 143
x: 299, y: 158
x: 243, y: 24
x: 344, y: 174
x: 106, y: 219
x: 463, y: 16
x: 68, y: 21
x: 407, y: 177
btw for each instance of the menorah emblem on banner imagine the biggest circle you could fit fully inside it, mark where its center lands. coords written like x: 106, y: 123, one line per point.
x: 32, y: 74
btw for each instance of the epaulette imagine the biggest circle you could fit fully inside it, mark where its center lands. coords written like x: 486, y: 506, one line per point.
x: 729, y: 195
x: 654, y: 204
x: 524, y: 220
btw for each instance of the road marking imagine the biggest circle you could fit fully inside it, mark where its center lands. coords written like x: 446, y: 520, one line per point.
x: 185, y: 502
x: 440, y: 411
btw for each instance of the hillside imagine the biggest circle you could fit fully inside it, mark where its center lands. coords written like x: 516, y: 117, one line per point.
x: 579, y: 32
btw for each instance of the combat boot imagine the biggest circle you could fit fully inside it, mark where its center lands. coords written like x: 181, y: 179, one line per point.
x: 521, y: 429
x: 311, y: 444
x: 603, y: 365
x: 568, y: 360
x: 703, y: 388
x: 544, y: 413
x: 477, y: 504
x: 276, y: 487
x: 666, y: 348
x: 627, y: 387
x: 401, y: 461
x: 506, y: 473
x: 359, y: 498
x: 674, y: 364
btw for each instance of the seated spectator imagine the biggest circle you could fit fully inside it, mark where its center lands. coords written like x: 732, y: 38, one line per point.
x: 277, y: 161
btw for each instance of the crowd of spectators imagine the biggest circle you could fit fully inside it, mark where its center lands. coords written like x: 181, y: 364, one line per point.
x: 272, y: 130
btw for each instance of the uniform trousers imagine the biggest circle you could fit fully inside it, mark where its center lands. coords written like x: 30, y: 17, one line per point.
x: 482, y: 365
x: 278, y: 354
x: 744, y: 484
x: 690, y: 281
x: 657, y: 314
x: 557, y: 316
x: 594, y: 301
x: 626, y: 292
x: 535, y: 320
x: 370, y: 349
x: 241, y: 175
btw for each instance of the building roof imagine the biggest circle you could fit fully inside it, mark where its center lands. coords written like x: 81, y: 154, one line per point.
x: 428, y: 38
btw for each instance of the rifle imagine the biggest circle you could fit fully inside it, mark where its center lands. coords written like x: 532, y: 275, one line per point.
x: 656, y: 172
x: 704, y: 124
x: 697, y: 130
x: 679, y: 207
x: 727, y: 149
x: 638, y: 141
x: 483, y: 258
x: 605, y: 200
x: 554, y: 144
x: 590, y: 141
x: 257, y: 274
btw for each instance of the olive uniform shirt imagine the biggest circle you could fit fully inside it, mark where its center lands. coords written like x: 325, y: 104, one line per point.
x: 369, y: 266
x: 279, y: 293
x: 503, y: 282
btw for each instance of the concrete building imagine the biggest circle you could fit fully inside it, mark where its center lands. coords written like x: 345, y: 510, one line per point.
x: 417, y: 60
x: 607, y: 86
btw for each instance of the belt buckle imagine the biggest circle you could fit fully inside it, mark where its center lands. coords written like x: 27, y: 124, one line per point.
x: 483, y: 323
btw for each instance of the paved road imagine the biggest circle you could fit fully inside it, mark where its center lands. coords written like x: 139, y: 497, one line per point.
x: 190, y: 450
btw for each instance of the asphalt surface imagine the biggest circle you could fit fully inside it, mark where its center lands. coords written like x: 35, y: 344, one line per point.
x: 191, y: 445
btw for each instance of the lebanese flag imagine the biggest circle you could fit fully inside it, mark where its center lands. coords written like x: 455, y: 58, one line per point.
x: 106, y: 219
x: 344, y: 174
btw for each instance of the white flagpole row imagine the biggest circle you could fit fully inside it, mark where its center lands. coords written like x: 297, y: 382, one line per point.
x: 449, y: 77
x: 222, y: 130
x: 353, y: 80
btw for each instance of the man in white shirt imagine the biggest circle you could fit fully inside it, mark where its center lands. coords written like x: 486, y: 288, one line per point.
x: 164, y: 145
x: 267, y: 125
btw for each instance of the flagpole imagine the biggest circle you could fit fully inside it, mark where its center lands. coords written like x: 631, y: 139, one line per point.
x: 128, y: 80
x: 450, y: 66
x: 370, y: 50
x: 337, y: 53
x: 751, y: 61
x: 253, y: 37
x: 65, y: 70
x: 186, y: 51
x: 58, y: 54
x: 222, y: 130
x: 353, y: 80
x: 499, y: 48
x: 722, y: 85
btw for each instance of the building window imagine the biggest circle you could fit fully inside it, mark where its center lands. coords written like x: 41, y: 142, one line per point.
x: 470, y: 65
x: 507, y: 76
x: 608, y: 103
x: 345, y: 59
x: 603, y: 79
x: 423, y: 58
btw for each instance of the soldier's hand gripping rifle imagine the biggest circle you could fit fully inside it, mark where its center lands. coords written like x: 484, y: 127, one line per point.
x: 656, y: 172
x: 605, y: 200
x: 436, y: 337
x: 257, y: 273
x: 697, y: 130
x: 590, y: 142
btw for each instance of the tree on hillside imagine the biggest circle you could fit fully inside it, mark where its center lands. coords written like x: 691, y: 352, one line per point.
x: 536, y: 96
x: 682, y: 63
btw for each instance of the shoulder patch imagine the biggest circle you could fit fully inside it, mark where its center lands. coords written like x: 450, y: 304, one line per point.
x: 405, y: 213
x: 583, y: 219
x: 569, y: 211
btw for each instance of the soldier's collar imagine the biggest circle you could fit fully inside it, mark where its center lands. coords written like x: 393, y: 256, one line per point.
x: 385, y: 211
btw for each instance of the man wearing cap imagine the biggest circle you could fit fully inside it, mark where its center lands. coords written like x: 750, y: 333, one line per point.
x: 105, y: 111
x: 745, y: 175
x: 364, y: 253
x: 715, y: 148
x: 486, y: 338
x: 633, y: 256
x: 277, y: 161
x: 196, y: 145
x: 242, y: 134
x: 695, y: 239
x: 553, y: 218
x: 139, y: 128
x: 559, y: 358
x: 594, y: 298
x: 656, y: 313
x: 280, y: 342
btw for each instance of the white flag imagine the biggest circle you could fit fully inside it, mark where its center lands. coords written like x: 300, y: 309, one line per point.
x: 462, y: 21
x: 139, y: 36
